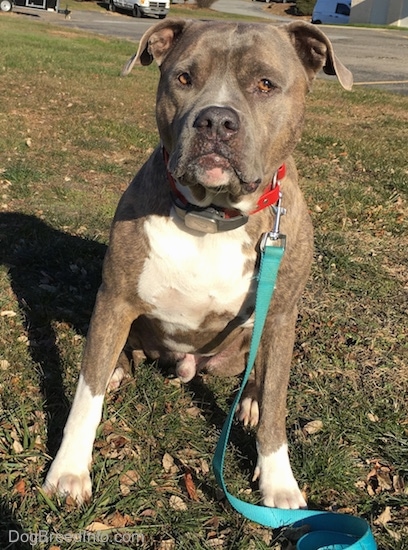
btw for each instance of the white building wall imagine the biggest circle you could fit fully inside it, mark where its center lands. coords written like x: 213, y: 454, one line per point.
x: 380, y: 12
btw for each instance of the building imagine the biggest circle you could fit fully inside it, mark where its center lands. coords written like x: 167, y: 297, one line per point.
x: 380, y: 12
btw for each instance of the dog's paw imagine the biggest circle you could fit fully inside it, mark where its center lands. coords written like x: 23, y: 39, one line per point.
x: 76, y: 485
x: 186, y: 368
x: 276, y: 481
x: 116, y: 379
x: 247, y: 412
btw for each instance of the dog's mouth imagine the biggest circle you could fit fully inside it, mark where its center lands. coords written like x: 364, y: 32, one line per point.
x: 215, y: 173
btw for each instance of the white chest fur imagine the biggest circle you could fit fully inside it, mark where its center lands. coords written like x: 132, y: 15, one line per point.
x: 189, y: 275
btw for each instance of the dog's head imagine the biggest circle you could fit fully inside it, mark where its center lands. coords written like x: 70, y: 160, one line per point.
x: 230, y: 101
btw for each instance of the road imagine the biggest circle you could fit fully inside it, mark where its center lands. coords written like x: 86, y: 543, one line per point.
x: 377, y: 57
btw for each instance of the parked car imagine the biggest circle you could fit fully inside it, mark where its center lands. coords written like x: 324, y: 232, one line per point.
x: 139, y: 8
x: 6, y: 5
x: 331, y: 11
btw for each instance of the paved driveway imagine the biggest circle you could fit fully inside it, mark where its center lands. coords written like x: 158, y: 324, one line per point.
x: 377, y: 57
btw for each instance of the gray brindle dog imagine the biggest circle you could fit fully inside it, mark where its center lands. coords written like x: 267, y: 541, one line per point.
x: 179, y: 274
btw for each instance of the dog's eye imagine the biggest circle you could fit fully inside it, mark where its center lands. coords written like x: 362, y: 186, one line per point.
x: 185, y: 79
x: 265, y: 86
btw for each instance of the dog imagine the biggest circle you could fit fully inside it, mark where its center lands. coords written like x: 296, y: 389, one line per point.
x: 179, y: 276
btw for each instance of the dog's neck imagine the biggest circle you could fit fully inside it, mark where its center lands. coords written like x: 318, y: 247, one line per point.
x: 214, y: 219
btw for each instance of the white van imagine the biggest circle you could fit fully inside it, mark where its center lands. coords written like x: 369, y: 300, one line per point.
x: 336, y: 12
x: 139, y: 8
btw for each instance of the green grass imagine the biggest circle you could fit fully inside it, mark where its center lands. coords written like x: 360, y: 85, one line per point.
x: 72, y: 134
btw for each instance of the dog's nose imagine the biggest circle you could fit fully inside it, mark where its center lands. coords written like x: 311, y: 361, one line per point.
x: 217, y: 122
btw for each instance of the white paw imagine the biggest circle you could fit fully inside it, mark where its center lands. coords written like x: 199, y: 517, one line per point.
x: 248, y: 412
x: 186, y: 368
x: 276, y: 481
x: 116, y: 379
x: 77, y: 485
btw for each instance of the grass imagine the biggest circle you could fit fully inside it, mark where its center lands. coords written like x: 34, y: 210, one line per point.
x: 72, y: 134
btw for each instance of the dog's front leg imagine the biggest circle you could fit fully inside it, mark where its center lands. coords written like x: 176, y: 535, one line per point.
x: 69, y: 472
x: 276, y: 481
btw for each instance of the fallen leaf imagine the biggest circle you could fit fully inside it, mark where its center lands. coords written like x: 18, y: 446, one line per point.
x: 190, y: 486
x: 118, y: 520
x: 393, y: 534
x: 167, y: 462
x: 20, y: 487
x: 213, y: 522
x: 194, y: 412
x: 4, y: 364
x: 97, y: 526
x: 398, y: 483
x: 8, y: 313
x: 126, y: 480
x: 17, y: 447
x: 149, y: 513
x: 313, y: 427
x: 384, y: 518
x: 168, y: 544
x: 130, y: 477
x: 205, y: 468
x: 177, y: 503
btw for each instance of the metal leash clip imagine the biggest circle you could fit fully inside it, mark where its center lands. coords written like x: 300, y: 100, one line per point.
x: 275, y: 235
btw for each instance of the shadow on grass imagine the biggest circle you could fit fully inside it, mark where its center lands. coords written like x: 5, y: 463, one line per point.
x: 55, y: 277
x: 11, y: 531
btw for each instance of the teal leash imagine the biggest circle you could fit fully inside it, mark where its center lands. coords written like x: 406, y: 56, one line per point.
x: 326, y: 530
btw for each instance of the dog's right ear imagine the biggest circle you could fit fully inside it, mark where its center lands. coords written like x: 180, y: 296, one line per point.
x: 156, y: 43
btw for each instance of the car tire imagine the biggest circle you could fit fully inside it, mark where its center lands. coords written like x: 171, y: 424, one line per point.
x: 6, y: 5
x: 136, y: 11
x: 112, y: 6
x: 162, y: 16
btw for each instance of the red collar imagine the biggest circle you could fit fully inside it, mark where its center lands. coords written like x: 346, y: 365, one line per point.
x: 269, y: 198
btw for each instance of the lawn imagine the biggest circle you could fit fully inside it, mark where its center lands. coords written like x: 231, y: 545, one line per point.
x: 72, y: 134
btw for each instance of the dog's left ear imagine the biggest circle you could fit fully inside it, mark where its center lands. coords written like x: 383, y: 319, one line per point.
x: 316, y: 52
x: 156, y: 43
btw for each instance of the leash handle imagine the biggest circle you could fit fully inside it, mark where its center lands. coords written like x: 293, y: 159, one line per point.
x: 328, y: 531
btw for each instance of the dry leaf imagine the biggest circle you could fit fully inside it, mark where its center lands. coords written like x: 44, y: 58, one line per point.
x: 118, y: 521
x: 176, y: 503
x: 190, y: 486
x: 149, y: 513
x: 213, y: 522
x: 313, y: 427
x: 17, y: 447
x: 384, y: 518
x: 398, y: 483
x: 130, y: 477
x: 117, y: 441
x: 97, y: 526
x: 4, y: 364
x: 20, y: 487
x: 384, y: 480
x: 168, y: 544
x: 194, y: 412
x: 126, y: 480
x: 204, y: 466
x: 167, y: 462
x: 8, y: 313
